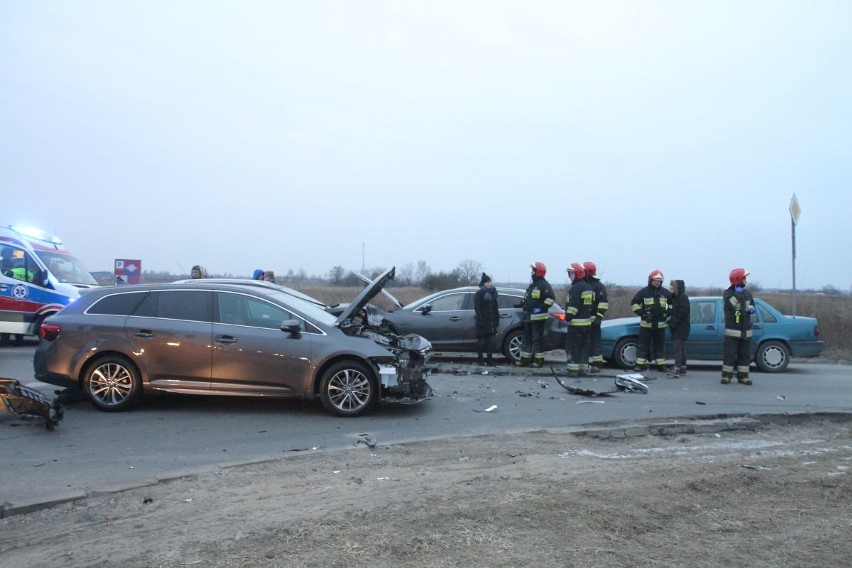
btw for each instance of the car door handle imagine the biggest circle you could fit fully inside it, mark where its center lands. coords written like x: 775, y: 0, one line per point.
x: 757, y: 326
x: 225, y: 339
x: 711, y: 327
x: 455, y: 318
x: 502, y: 316
x: 144, y: 333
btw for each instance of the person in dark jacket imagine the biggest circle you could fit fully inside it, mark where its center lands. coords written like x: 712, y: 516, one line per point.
x: 652, y: 305
x: 679, y: 324
x: 487, y: 315
x: 738, y: 305
x: 537, y: 301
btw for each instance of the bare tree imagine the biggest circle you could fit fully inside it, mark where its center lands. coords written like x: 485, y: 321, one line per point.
x: 336, y: 275
x: 405, y: 275
x: 422, y: 272
x: 469, y: 271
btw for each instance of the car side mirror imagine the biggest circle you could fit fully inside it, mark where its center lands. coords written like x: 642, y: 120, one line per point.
x: 425, y: 309
x: 293, y: 327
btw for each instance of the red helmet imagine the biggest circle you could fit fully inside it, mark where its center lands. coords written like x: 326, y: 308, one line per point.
x: 655, y: 275
x: 577, y: 269
x: 591, y: 269
x: 738, y: 276
x: 539, y: 269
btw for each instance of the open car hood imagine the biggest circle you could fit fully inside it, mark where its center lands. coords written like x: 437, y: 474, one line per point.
x: 367, y: 294
x: 397, y: 304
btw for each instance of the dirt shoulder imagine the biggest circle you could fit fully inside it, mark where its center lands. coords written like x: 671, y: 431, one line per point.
x: 776, y: 495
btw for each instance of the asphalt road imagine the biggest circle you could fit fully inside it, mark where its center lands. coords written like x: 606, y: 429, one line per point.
x: 166, y: 437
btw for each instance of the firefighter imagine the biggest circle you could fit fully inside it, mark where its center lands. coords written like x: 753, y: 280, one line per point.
x: 537, y: 301
x: 599, y: 310
x: 738, y: 306
x: 579, y: 314
x: 653, y: 305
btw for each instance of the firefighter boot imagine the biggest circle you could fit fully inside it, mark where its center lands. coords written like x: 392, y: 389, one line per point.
x: 743, y: 379
x: 726, y: 378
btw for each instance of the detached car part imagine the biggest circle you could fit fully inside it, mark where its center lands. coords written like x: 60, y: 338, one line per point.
x: 29, y: 403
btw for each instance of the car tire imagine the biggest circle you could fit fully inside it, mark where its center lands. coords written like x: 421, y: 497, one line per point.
x: 624, y: 354
x: 512, y: 344
x: 772, y: 357
x: 112, y: 383
x: 348, y: 388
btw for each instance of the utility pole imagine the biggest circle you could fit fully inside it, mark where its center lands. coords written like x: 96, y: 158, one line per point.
x: 363, y: 264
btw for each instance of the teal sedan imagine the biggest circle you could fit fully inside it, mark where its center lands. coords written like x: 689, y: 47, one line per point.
x: 777, y: 337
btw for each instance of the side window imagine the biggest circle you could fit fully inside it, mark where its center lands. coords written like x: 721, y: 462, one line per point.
x: 505, y: 301
x: 264, y: 314
x: 188, y: 305
x: 239, y: 309
x: 702, y: 312
x: 233, y: 309
x: 117, y: 304
x: 18, y: 264
x: 448, y: 303
x: 767, y: 316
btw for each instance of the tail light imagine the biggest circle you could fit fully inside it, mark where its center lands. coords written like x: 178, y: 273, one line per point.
x: 816, y: 330
x: 49, y: 331
x: 560, y: 316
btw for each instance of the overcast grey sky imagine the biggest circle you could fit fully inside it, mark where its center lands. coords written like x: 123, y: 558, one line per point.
x: 301, y: 135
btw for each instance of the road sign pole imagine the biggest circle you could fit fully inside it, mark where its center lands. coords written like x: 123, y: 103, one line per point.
x: 795, y: 211
x: 793, y: 232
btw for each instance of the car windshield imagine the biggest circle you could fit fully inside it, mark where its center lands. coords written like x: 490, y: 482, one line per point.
x: 309, y: 309
x: 66, y: 268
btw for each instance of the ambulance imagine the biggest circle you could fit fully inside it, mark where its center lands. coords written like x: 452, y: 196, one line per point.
x: 38, y: 277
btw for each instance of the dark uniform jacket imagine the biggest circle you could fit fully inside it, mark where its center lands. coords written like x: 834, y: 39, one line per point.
x: 579, y: 309
x: 538, y: 299
x: 653, y: 305
x: 601, y: 301
x: 738, y: 304
x: 679, y: 322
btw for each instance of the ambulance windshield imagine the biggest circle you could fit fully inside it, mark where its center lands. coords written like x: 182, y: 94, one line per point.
x: 66, y: 268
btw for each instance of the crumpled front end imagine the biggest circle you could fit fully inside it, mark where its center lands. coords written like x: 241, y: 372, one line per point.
x: 405, y: 377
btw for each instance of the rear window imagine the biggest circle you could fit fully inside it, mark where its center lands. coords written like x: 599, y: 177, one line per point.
x: 117, y: 304
x: 190, y: 305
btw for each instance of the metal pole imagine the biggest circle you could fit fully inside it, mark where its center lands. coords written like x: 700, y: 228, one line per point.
x: 793, y: 222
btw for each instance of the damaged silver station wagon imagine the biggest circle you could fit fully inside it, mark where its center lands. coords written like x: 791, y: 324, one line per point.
x: 217, y: 338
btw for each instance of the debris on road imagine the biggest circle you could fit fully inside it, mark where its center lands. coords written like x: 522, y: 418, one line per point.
x: 29, y: 403
x: 366, y: 440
